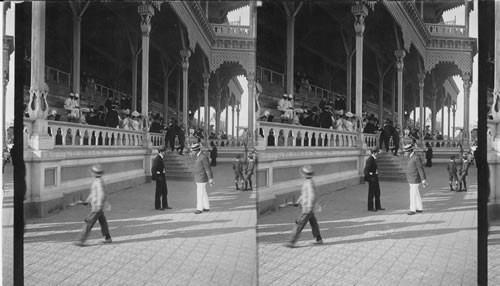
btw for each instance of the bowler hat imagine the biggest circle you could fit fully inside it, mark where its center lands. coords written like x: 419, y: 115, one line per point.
x: 161, y: 148
x: 375, y: 150
x: 307, y: 170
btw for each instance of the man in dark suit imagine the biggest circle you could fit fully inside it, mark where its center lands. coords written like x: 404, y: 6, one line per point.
x: 202, y: 174
x: 371, y: 176
x: 158, y: 175
x: 415, y: 174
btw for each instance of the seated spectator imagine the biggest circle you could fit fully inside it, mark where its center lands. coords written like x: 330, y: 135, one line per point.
x: 134, y: 122
x: 370, y: 126
x: 71, y: 105
x: 286, y: 107
x: 124, y: 121
x: 325, y: 119
x: 112, y: 118
x: 52, y: 115
x: 350, y: 122
x: 83, y: 117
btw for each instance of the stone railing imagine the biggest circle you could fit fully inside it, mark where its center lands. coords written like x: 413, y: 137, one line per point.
x: 232, y: 142
x: 370, y: 140
x: 288, y: 135
x: 66, y: 134
x: 267, y: 75
x: 446, y: 30
x: 223, y: 30
x: 443, y: 143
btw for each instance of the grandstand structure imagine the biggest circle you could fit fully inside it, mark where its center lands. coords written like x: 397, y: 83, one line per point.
x: 168, y: 57
x: 381, y: 57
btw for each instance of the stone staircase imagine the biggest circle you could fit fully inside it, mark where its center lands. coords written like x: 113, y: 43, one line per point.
x: 391, y: 168
x: 178, y: 167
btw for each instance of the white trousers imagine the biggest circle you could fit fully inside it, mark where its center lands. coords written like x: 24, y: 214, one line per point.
x: 415, y: 199
x: 202, y: 197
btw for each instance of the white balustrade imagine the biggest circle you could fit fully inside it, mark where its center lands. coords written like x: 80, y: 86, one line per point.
x: 288, y: 135
x: 231, y: 30
x: 227, y: 143
x: 443, y: 143
x: 446, y: 30
x: 156, y: 139
x: 370, y: 140
x: 74, y: 134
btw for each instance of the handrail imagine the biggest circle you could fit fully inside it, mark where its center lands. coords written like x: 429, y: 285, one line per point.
x: 273, y: 77
x: 56, y: 75
x: 268, y: 75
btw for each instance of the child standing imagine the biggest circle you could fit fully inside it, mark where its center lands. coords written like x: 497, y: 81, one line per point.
x: 452, y: 171
x: 464, y: 171
x: 249, y: 172
x: 98, y: 202
x: 238, y: 172
x: 308, y: 201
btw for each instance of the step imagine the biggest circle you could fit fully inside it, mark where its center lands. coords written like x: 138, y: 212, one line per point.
x: 392, y: 178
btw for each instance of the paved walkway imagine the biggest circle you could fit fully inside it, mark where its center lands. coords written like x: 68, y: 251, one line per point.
x: 437, y: 247
x: 7, y: 202
x: 494, y: 253
x: 173, y: 247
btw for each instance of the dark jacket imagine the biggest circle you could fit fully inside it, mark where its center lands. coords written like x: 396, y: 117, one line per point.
x: 371, y: 167
x: 158, y: 168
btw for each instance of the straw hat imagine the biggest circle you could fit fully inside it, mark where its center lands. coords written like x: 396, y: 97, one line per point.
x: 126, y: 111
x: 307, y: 170
x: 349, y: 114
x: 135, y: 113
x: 76, y: 95
x: 97, y: 169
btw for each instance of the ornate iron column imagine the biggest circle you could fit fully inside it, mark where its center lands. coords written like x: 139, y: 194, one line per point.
x: 449, y: 116
x: 238, y: 107
x: 360, y: 12
x: 251, y: 107
x: 38, y: 108
x: 400, y: 54
x: 454, y: 110
x: 206, y: 77
x: 185, y: 54
x: 467, y: 83
x: 146, y: 12
x: 291, y: 12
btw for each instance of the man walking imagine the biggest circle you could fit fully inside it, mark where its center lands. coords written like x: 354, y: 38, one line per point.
x: 307, y: 200
x: 371, y: 176
x: 202, y: 174
x: 415, y: 175
x: 158, y: 175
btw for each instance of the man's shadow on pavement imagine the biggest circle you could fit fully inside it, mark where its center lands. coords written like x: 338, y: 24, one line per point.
x: 411, y: 234
x: 117, y: 228
x: 333, y: 229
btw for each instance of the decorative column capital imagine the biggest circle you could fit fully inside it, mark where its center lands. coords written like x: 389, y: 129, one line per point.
x: 146, y: 11
x: 421, y: 78
x: 360, y: 11
x: 400, y: 54
x: 185, y: 54
x: 466, y: 80
x: 250, y: 77
x: 206, y: 77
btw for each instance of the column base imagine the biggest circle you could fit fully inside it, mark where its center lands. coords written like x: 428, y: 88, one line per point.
x: 41, y: 142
